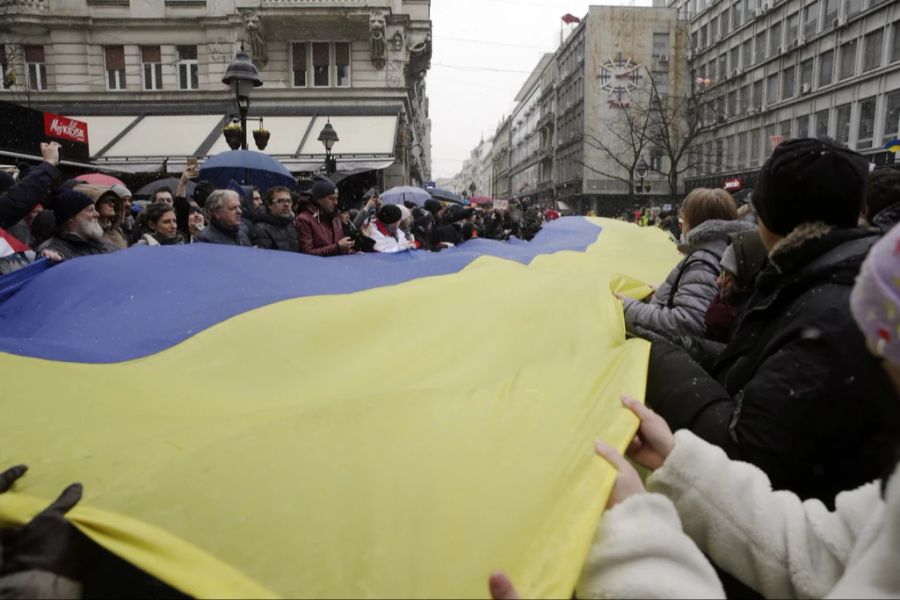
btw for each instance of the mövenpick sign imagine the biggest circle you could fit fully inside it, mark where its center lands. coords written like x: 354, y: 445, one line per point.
x: 65, y: 128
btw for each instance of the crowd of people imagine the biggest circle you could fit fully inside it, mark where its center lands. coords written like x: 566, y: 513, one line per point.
x: 775, y: 359
x: 63, y: 220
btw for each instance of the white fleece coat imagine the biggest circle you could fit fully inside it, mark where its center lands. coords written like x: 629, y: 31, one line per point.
x: 771, y: 541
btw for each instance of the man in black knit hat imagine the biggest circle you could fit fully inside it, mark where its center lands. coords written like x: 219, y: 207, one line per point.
x: 78, y: 231
x: 792, y: 393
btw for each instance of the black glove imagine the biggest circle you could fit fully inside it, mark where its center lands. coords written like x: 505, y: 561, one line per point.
x: 49, y: 542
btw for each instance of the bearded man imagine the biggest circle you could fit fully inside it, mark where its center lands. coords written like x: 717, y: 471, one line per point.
x: 78, y: 231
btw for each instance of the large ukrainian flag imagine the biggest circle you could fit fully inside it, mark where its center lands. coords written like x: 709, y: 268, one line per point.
x: 255, y: 423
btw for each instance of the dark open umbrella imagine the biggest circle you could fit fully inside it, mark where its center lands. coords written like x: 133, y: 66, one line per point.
x: 447, y: 196
x: 169, y: 182
x: 246, y: 167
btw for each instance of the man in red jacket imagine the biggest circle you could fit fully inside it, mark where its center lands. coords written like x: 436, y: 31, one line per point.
x: 318, y: 226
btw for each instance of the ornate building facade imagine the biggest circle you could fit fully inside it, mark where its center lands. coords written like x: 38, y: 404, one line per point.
x: 146, y: 77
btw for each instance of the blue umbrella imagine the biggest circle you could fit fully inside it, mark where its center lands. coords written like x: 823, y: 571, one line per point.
x: 405, y: 193
x: 246, y: 167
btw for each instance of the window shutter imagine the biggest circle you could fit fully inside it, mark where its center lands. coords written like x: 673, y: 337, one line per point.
x: 320, y: 55
x: 299, y: 56
x: 342, y: 54
x: 151, y: 54
x: 115, y: 58
x: 34, y: 54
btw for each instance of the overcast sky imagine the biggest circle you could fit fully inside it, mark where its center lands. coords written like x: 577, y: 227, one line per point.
x: 484, y: 51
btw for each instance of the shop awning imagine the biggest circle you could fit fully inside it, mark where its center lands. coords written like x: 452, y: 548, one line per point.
x: 144, y: 142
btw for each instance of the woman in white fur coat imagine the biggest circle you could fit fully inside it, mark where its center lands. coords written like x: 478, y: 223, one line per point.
x: 649, y: 543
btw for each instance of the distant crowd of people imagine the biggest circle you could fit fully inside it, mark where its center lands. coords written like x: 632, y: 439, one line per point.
x: 43, y: 218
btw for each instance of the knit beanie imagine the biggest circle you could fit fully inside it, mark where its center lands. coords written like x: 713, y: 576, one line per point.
x: 67, y: 204
x: 875, y: 300
x: 121, y: 191
x: 322, y: 188
x: 390, y: 214
x: 808, y: 180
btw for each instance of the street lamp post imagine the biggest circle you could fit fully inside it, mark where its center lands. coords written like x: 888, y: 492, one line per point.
x: 328, y: 137
x: 242, y: 77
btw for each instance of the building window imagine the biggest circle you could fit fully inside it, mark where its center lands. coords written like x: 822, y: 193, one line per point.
x: 746, y: 54
x: 660, y: 44
x: 803, y: 126
x: 784, y: 128
x: 826, y: 68
x: 742, y: 149
x: 769, y: 139
x: 745, y: 7
x: 821, y: 119
x: 298, y: 64
x: 725, y: 21
x: 745, y: 98
x: 772, y: 89
x: 848, y: 60
x: 891, y: 116
x: 811, y: 20
x: 757, y: 94
x: 342, y: 64
x: 734, y: 57
x: 733, y: 104
x: 866, y: 124
x: 36, y: 67
x: 115, y: 67
x: 787, y: 83
x: 806, y: 76
x: 831, y: 13
x: 4, y: 68
x: 874, y: 42
x: 793, y: 27
x: 151, y: 60
x: 760, y: 49
x: 188, y: 78
x: 754, y: 147
x: 842, y: 132
x: 723, y: 67
x: 775, y: 39
x: 895, y: 42
x: 855, y: 6
x: 703, y: 37
x: 736, y: 15
x: 321, y: 64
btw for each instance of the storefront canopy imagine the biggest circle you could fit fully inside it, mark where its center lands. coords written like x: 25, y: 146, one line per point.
x: 143, y: 142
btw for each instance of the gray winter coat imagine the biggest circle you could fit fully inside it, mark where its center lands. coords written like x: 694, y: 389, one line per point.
x: 679, y: 305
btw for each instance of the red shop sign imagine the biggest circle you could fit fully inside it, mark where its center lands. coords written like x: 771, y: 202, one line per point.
x: 63, y: 127
x: 734, y: 185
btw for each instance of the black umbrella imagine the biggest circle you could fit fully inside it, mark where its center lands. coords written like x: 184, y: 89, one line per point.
x: 169, y: 182
x: 446, y: 196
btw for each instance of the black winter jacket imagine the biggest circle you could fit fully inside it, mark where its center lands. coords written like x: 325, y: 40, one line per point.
x: 18, y: 200
x: 275, y: 233
x: 216, y: 234
x: 794, y: 393
x: 70, y: 246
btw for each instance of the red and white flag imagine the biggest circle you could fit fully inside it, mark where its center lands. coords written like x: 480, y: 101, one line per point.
x: 569, y: 18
